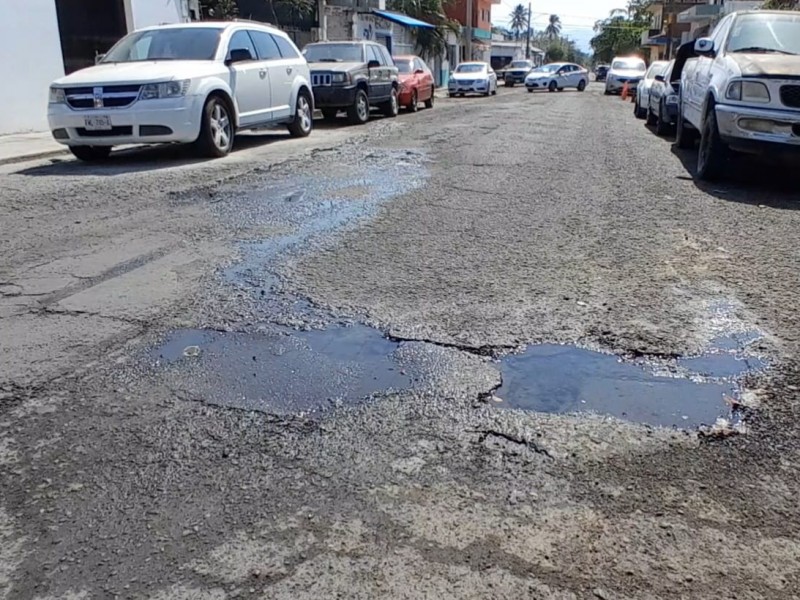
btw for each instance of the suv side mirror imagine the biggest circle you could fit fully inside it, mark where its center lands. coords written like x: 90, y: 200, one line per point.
x: 704, y: 46
x: 373, y: 64
x: 239, y: 55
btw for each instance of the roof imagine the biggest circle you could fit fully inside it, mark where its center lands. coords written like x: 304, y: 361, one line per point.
x: 402, y: 19
x: 213, y: 25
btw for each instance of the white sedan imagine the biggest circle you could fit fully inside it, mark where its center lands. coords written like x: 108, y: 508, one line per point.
x: 472, y: 78
x: 557, y: 76
x: 640, y: 108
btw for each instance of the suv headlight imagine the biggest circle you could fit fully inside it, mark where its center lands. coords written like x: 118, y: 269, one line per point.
x: 748, y: 91
x: 168, y: 89
x: 57, y: 96
x: 340, y: 78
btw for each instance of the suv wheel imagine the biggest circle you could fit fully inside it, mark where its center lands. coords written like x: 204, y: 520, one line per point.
x: 713, y: 152
x: 392, y: 107
x: 303, y: 121
x: 90, y: 153
x: 358, y: 113
x: 216, y: 131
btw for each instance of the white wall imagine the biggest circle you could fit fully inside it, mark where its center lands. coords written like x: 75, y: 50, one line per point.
x: 30, y: 48
x: 145, y: 13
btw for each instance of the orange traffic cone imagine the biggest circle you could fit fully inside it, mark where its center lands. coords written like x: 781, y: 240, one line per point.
x: 624, y: 94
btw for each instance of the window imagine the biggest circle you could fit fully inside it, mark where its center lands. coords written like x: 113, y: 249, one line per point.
x: 373, y: 54
x: 176, y: 43
x: 335, y: 53
x: 287, y: 49
x: 241, y: 41
x: 387, y: 58
x: 265, y: 44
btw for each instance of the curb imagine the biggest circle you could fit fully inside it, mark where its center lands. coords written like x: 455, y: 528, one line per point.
x: 35, y: 156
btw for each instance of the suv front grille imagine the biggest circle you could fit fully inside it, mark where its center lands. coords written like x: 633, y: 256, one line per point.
x: 318, y: 79
x: 109, y: 96
x: 790, y: 95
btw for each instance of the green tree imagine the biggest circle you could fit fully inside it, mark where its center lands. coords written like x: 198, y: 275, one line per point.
x: 782, y: 4
x: 553, y: 29
x: 620, y: 32
x: 519, y: 20
x: 430, y: 42
x: 297, y: 9
x: 222, y: 10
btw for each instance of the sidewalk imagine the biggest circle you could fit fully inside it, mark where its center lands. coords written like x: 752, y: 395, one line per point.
x: 26, y: 146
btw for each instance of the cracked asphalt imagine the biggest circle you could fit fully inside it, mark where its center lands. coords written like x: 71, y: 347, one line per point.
x: 468, y: 231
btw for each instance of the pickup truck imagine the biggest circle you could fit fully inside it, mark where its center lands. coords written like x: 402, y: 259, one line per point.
x: 742, y: 91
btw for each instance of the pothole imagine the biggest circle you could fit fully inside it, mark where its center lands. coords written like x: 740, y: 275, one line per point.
x: 280, y: 371
x: 686, y: 392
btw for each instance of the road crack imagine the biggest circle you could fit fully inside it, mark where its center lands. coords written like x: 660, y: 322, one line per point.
x: 531, y: 445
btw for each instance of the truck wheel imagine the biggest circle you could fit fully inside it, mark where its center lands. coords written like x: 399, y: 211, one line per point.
x: 392, y: 107
x: 713, y: 152
x: 91, y: 153
x: 684, y: 137
x: 358, y: 112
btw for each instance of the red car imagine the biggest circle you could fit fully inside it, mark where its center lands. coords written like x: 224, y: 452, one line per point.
x: 416, y: 82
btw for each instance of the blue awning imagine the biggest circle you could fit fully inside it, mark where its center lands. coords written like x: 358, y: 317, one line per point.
x: 402, y: 19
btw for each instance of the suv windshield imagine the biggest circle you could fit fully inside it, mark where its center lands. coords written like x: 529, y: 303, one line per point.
x: 629, y: 64
x: 766, y: 32
x: 172, y: 43
x: 520, y: 64
x: 334, y: 53
x: 470, y: 68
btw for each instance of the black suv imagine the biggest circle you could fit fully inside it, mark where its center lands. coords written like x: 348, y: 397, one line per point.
x: 352, y: 76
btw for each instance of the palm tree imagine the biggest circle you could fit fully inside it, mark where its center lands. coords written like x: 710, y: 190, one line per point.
x: 430, y: 42
x: 519, y: 20
x: 553, y: 29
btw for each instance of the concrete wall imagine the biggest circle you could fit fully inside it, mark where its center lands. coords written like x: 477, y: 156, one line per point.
x: 145, y: 13
x: 30, y: 48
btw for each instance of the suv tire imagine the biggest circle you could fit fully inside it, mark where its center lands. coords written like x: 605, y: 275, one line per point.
x: 91, y: 153
x: 358, y: 112
x: 216, y: 130
x: 392, y: 107
x: 713, y: 152
x: 303, y: 121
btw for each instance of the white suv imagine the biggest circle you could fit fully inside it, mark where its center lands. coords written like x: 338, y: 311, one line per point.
x: 191, y: 82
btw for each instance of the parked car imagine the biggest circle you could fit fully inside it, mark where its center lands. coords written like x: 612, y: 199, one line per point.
x: 416, y: 82
x: 630, y: 70
x: 192, y: 82
x: 557, y: 76
x: 516, y: 72
x: 662, y: 111
x: 353, y: 77
x: 600, y: 72
x: 472, y: 78
x: 742, y: 92
x: 643, y: 89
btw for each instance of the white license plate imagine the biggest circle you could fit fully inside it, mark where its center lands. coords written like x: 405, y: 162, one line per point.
x: 97, y: 123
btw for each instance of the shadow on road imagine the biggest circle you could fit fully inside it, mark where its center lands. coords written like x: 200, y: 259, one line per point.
x: 148, y: 158
x: 749, y: 180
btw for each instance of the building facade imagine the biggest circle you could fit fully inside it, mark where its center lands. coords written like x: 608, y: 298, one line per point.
x: 480, y: 24
x: 49, y: 38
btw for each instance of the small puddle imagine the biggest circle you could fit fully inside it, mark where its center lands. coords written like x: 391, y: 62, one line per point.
x: 282, y: 371
x: 688, y: 392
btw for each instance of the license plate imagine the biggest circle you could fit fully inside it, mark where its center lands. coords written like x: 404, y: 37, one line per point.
x: 97, y: 123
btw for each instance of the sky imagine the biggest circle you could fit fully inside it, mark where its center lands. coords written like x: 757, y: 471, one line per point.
x: 577, y: 16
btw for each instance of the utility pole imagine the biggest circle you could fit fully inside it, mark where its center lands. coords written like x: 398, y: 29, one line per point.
x: 469, y: 30
x: 528, y: 36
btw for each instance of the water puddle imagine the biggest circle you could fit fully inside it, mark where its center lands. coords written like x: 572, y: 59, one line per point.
x: 280, y: 371
x: 295, y: 210
x: 687, y: 392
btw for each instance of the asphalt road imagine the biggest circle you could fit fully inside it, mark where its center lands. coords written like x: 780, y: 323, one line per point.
x: 186, y: 347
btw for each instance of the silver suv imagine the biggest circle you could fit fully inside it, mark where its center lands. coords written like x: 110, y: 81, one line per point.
x: 192, y: 82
